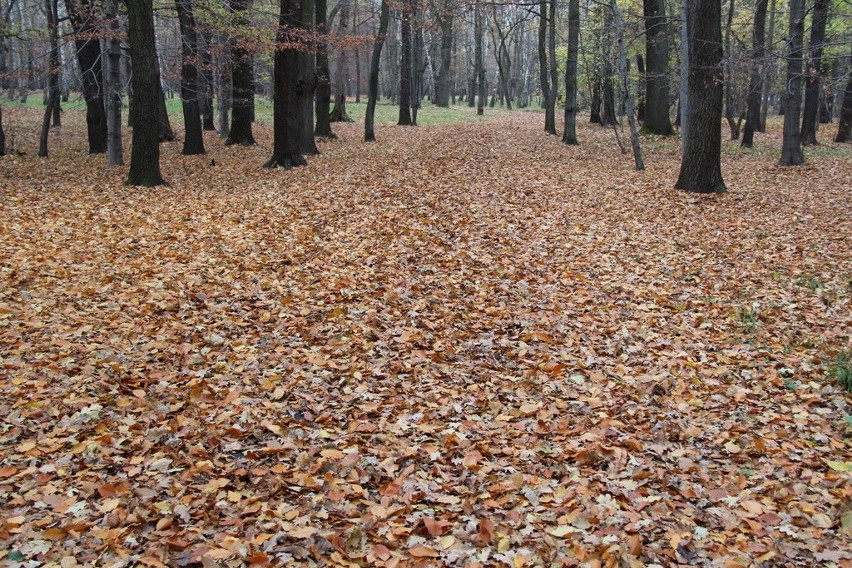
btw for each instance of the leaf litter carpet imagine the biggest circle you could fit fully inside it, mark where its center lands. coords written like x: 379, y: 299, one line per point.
x: 462, y: 345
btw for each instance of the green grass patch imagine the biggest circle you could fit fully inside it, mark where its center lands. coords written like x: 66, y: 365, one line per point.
x: 841, y: 370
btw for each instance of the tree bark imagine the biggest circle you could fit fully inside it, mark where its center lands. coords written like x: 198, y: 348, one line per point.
x: 569, y: 134
x: 445, y: 21
x: 242, y: 82
x: 287, y: 120
x: 683, y: 88
x: 479, y: 59
x: 338, y: 113
x: 554, y: 68
x: 791, y: 147
x: 193, y: 141
x: 373, y: 92
x: 657, y: 120
x: 82, y: 17
x: 625, y: 87
x: 112, y: 86
x: 813, y: 82
x: 323, y: 102
x: 543, y: 69
x: 730, y: 111
x: 50, y: 109
x: 406, y: 15
x: 166, y: 134
x: 844, y: 124
x: 145, y: 152
x: 308, y: 80
x: 223, y: 91
x: 205, y: 97
x: 700, y: 168
x: 755, y: 86
x: 768, y: 67
x: 2, y: 135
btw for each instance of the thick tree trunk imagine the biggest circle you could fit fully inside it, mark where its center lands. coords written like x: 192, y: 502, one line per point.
x: 82, y: 17
x: 406, y: 15
x: 442, y: 90
x: 145, y: 152
x: 569, y: 134
x: 640, y: 88
x: 479, y: 57
x: 700, y: 168
x: 287, y: 120
x: 657, y: 120
x: 112, y: 85
x: 373, y: 90
x: 223, y: 91
x: 755, y: 86
x: 683, y: 88
x: 791, y: 147
x: 307, y: 86
x: 813, y: 83
x: 338, y: 113
x: 193, y: 141
x: 323, y: 102
x: 242, y: 82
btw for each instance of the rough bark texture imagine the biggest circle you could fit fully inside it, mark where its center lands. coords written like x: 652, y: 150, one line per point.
x: 112, y: 86
x: 406, y: 15
x: 287, y: 119
x: 242, y: 81
x: 145, y: 153
x: 339, y: 113
x: 731, y: 109
x: 844, y: 127
x: 810, y: 112
x: 543, y: 71
x: 569, y: 134
x: 768, y: 68
x: 700, y: 168
x: 80, y: 13
x: 373, y: 88
x: 657, y: 120
x: 479, y: 57
x: 50, y: 109
x: 755, y: 86
x: 205, y: 73
x: 323, y: 102
x: 166, y: 134
x: 683, y: 110
x: 307, y: 85
x: 193, y: 141
x: 553, y: 69
x: 625, y: 87
x: 791, y: 146
x: 442, y: 87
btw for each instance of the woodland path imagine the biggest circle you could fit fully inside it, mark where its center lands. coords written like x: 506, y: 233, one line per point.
x: 463, y: 343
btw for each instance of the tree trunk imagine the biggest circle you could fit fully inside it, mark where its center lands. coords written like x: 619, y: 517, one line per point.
x: 595, y: 103
x: 339, y: 114
x: 112, y: 85
x: 625, y: 87
x: 223, y: 65
x: 700, y: 168
x: 406, y: 15
x: 554, y: 68
x: 145, y: 152
x: 193, y: 141
x: 373, y: 92
x: 683, y: 89
x: 445, y: 20
x: 810, y: 112
x: 2, y: 135
x: 758, y: 60
x: 768, y: 67
x: 641, y: 87
x: 543, y: 69
x: 730, y: 110
x: 844, y: 124
x: 81, y: 15
x: 791, y: 147
x: 53, y: 78
x: 479, y: 58
x: 205, y: 97
x: 357, y: 53
x: 166, y: 134
x: 657, y: 120
x: 286, y: 121
x: 242, y: 81
x: 323, y: 102
x: 307, y: 86
x: 569, y: 134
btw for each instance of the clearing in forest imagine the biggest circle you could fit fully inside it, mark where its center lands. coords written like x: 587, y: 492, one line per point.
x: 465, y: 343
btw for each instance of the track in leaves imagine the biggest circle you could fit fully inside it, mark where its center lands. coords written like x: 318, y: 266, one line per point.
x: 464, y: 343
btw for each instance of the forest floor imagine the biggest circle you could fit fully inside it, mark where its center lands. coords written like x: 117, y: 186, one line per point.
x: 465, y: 343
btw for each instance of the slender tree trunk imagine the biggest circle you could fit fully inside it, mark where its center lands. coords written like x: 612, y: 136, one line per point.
x: 700, y: 168
x: 323, y: 102
x: 166, y: 134
x: 286, y: 152
x: 730, y: 110
x: 112, y: 85
x: 625, y: 87
x: 641, y: 88
x: 595, y: 103
x: 768, y: 67
x: 758, y: 60
x: 206, y: 74
x: 373, y: 91
x: 791, y: 148
x: 82, y: 18
x: 53, y: 78
x: 844, y: 124
x: 683, y: 93
x: 543, y: 69
x: 813, y: 83
x: 445, y: 20
x: 479, y: 57
x: 406, y: 15
x: 569, y: 135
x: 657, y: 120
x: 339, y: 114
x: 2, y: 135
x: 554, y: 68
x: 193, y: 141
x: 242, y: 81
x: 356, y: 52
x: 145, y: 152
x: 223, y: 64
x: 307, y: 85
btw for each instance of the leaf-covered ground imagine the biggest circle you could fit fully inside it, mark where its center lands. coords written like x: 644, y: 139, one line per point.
x: 464, y: 344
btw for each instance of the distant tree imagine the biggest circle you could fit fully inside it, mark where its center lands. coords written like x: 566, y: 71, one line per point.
x: 755, y: 86
x: 373, y: 87
x: 445, y: 18
x: 406, y: 15
x: 341, y: 79
x: 791, y: 148
x: 813, y: 81
x: 165, y: 134
x: 112, y: 85
x: 844, y: 127
x: 657, y: 120
x: 52, y: 107
x: 700, y: 167
x: 145, y: 152
x: 548, y: 97
x: 193, y: 141
x: 242, y: 81
x: 479, y: 58
x: 323, y: 102
x: 83, y: 19
x: 205, y: 73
